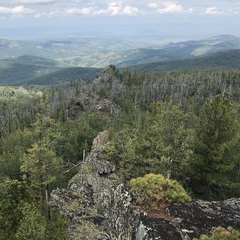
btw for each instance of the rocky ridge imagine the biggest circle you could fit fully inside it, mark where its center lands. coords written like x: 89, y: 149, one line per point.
x: 100, y: 207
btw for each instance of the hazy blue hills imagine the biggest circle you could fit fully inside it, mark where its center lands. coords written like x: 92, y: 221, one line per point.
x: 183, y: 50
x: 98, y: 53
x: 219, y: 52
x: 65, y: 48
x: 228, y: 59
x: 37, y: 70
x: 157, y: 53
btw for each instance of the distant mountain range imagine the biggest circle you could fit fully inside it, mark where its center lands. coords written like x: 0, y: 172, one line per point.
x: 219, y: 52
x: 183, y: 50
x: 98, y: 53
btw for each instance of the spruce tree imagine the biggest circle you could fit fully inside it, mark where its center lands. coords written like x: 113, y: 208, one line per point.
x: 216, y: 149
x: 41, y: 166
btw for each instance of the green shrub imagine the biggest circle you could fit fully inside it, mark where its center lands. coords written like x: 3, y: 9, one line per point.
x: 220, y: 233
x: 154, y: 189
x: 110, y: 153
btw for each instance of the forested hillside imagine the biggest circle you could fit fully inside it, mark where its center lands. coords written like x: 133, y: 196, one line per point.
x: 29, y: 69
x: 181, y: 124
x: 227, y: 59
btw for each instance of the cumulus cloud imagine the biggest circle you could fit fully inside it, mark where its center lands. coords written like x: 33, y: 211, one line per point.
x: 61, y: 8
x: 112, y: 8
x: 82, y: 11
x: 128, y: 10
x: 117, y: 8
x: 16, y: 10
x: 34, y: 1
x: 167, y: 7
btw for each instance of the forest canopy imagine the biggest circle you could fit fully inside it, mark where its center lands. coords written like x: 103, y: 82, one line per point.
x: 181, y: 125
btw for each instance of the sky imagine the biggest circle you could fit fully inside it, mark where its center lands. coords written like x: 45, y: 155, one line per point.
x: 128, y: 19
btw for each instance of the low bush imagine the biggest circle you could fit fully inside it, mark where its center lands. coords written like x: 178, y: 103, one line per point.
x: 220, y: 233
x: 153, y: 190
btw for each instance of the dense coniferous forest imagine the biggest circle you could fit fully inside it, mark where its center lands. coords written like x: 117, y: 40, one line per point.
x: 181, y: 124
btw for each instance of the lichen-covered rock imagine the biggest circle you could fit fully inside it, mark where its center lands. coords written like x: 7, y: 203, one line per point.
x: 100, y: 207
x: 200, y: 217
x: 189, y: 220
x: 97, y: 203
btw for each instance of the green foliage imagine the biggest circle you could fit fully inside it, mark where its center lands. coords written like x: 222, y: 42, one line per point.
x: 12, y: 148
x: 40, y: 162
x: 110, y: 153
x: 160, y: 141
x: 220, y: 233
x: 14, y: 197
x: 173, y: 134
x: 216, y: 147
x: 32, y: 225
x: 153, y: 190
x: 163, y: 125
x: 56, y: 228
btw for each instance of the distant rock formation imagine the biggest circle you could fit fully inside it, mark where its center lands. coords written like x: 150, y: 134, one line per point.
x: 107, y: 75
x: 100, y: 207
x: 94, y: 98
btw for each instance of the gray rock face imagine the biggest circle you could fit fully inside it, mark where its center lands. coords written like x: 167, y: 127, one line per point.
x: 96, y: 202
x: 190, y: 220
x: 100, y: 207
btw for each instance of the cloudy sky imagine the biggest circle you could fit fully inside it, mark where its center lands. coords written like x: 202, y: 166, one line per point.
x: 146, y: 19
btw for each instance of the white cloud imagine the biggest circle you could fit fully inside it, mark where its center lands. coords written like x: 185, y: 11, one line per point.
x: 34, y: 1
x: 170, y: 7
x: 217, y: 11
x: 62, y: 8
x: 82, y: 11
x: 153, y: 5
x: 212, y: 11
x: 166, y: 7
x: 16, y: 10
x: 129, y: 10
x: 114, y: 8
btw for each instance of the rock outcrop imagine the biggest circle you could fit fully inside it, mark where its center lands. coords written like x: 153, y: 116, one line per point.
x: 107, y: 75
x: 96, y: 202
x: 100, y: 207
x: 190, y: 220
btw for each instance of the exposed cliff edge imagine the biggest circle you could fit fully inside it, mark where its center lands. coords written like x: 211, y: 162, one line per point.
x: 100, y: 207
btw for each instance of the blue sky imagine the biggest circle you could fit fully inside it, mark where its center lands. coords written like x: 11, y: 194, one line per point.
x: 145, y: 19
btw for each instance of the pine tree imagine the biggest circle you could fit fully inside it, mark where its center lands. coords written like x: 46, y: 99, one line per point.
x: 216, y: 145
x: 40, y: 164
x: 14, y: 196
